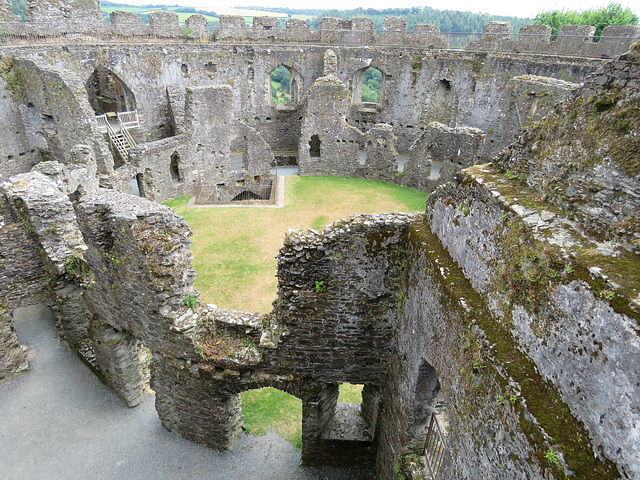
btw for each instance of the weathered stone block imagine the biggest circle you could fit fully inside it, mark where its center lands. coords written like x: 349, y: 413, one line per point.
x: 124, y: 18
x: 79, y: 12
x: 163, y: 19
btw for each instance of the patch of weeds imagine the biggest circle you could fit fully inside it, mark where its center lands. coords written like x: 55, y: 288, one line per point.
x: 190, y: 300
x: 78, y: 268
x: 511, y: 175
x: 608, y: 294
x: 321, y: 287
x: 478, y: 365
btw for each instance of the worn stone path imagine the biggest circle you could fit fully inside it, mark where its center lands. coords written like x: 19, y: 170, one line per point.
x: 60, y: 422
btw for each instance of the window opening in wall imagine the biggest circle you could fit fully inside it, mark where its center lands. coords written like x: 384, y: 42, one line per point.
x: 140, y: 185
x: 352, y: 412
x: 133, y: 184
x: 174, y: 167
x: 210, y: 67
x: 429, y: 419
x: 402, y: 161
x: 371, y: 85
x: 280, y: 85
x: 363, y: 158
x: 314, y: 146
x: 350, y: 393
x: 435, y: 171
x: 108, y: 93
x: 268, y: 408
x: 239, y: 157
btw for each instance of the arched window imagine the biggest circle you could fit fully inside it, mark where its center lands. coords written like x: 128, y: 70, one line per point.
x: 284, y: 84
x: 174, y: 167
x: 314, y: 146
x: 280, y: 85
x: 108, y: 93
x: 371, y: 85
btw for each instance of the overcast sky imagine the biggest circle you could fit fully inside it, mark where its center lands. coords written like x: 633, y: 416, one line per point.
x: 517, y: 8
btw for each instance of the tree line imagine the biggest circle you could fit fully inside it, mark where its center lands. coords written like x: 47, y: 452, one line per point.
x: 612, y: 14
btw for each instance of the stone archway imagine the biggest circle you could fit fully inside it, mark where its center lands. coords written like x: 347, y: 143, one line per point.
x: 427, y: 388
x: 108, y: 93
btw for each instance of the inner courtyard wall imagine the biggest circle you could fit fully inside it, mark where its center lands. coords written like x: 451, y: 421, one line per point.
x: 479, y: 95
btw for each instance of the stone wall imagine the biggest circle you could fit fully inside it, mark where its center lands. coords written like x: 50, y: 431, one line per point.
x: 53, y: 115
x: 599, y: 184
x: 6, y: 12
x: 328, y: 145
x: 438, y: 154
x: 22, y: 277
x: 576, y: 40
x: 13, y: 356
x: 79, y: 12
x: 456, y: 88
x: 308, y: 346
x: 72, y: 19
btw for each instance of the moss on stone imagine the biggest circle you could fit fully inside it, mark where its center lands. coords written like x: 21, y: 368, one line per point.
x: 533, y: 259
x: 538, y: 398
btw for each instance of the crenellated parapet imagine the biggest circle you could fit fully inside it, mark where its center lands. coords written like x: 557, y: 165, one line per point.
x: 83, y: 21
x: 577, y: 40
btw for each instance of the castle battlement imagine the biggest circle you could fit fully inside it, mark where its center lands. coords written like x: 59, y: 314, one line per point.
x: 48, y: 22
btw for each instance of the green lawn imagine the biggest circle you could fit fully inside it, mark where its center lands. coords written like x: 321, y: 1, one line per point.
x: 269, y: 408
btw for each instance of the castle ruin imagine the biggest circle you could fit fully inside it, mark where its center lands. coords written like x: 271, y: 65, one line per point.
x: 514, y: 296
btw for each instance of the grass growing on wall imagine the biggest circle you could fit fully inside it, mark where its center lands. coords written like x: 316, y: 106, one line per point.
x: 234, y: 248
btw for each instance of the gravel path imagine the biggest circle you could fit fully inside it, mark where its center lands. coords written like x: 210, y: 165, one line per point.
x: 60, y: 422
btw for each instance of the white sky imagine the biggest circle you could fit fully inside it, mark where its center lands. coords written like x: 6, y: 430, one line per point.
x: 517, y: 8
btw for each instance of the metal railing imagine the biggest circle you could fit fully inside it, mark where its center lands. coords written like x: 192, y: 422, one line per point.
x: 435, y: 448
x: 102, y: 123
x: 125, y: 133
x: 126, y: 120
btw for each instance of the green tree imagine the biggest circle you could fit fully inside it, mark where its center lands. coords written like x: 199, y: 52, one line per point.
x: 18, y: 7
x: 371, y: 85
x: 280, y: 84
x: 612, y: 14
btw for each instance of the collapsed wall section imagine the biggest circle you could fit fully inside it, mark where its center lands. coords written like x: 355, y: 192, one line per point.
x: 80, y: 12
x: 328, y: 145
x: 438, y: 153
x: 139, y: 254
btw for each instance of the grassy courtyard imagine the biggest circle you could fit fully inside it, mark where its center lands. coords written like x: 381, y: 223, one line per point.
x: 234, y: 249
x: 234, y: 253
